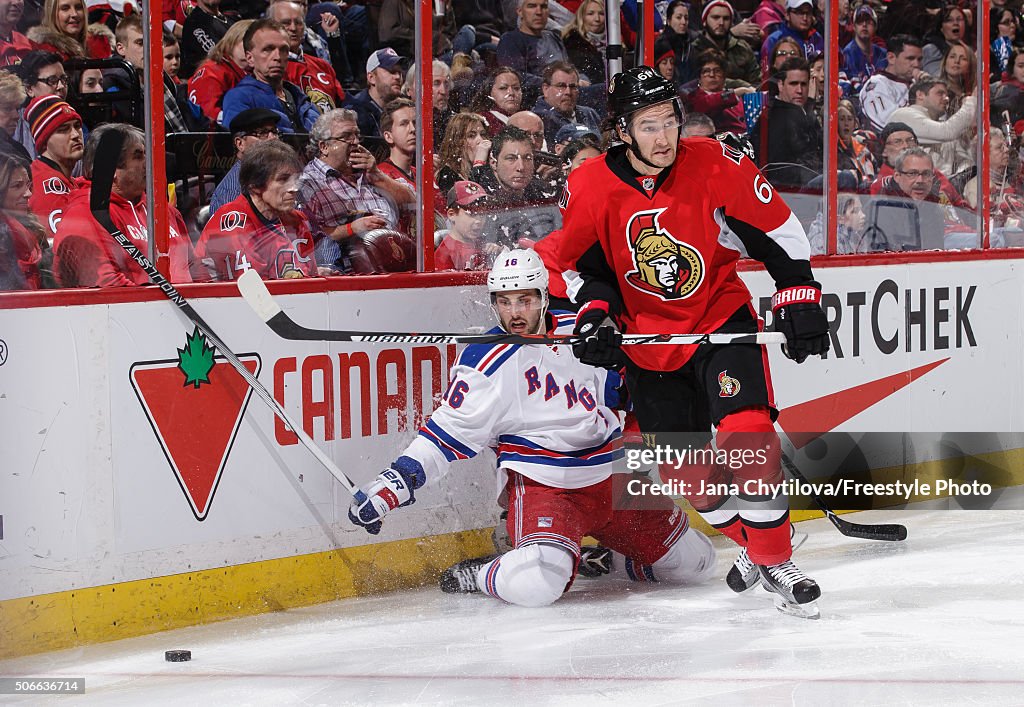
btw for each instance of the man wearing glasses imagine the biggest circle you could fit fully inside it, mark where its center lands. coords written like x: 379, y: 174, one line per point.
x: 896, y: 138
x: 43, y: 75
x: 248, y: 128
x: 800, y: 26
x: 310, y: 73
x: 740, y: 58
x: 914, y: 181
x: 343, y: 191
x: 557, y: 106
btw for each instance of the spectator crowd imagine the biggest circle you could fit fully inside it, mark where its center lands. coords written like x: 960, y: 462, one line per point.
x: 309, y: 113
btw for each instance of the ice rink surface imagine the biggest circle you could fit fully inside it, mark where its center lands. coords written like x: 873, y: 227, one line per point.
x: 935, y: 620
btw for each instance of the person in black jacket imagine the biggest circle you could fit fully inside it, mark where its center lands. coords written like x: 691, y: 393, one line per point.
x: 585, y: 41
x: 793, y: 142
x: 204, y: 27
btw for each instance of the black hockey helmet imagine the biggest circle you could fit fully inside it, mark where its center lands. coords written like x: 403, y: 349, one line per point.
x: 637, y: 88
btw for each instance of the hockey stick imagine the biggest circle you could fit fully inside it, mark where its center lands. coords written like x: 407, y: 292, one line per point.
x: 255, y: 292
x: 108, y: 153
x: 892, y: 532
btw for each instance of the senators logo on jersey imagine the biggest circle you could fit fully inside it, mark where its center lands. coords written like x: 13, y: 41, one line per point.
x: 232, y: 220
x: 730, y: 387
x: 665, y: 267
x: 55, y: 185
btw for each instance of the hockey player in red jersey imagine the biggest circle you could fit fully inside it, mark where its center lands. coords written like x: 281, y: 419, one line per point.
x: 648, y: 228
x: 558, y: 443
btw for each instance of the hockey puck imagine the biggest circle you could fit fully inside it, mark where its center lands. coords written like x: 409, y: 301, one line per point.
x: 177, y: 656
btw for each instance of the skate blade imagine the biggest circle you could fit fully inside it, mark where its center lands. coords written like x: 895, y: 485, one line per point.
x: 801, y: 611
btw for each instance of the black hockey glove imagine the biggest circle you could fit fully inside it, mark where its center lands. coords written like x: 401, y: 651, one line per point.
x: 798, y: 314
x: 601, y: 340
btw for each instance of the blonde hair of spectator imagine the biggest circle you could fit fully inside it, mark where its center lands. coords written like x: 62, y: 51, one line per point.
x: 576, y: 23
x: 957, y: 86
x: 127, y: 23
x: 12, y: 90
x: 75, y: 43
x: 133, y: 137
x: 223, y: 49
x: 452, y: 149
x: 462, y: 66
x: 438, y: 67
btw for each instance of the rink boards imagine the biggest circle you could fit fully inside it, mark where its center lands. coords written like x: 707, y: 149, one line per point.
x: 133, y: 501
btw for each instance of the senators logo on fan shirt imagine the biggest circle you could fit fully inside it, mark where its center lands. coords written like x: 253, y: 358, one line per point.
x: 232, y: 220
x: 665, y: 267
x: 55, y: 185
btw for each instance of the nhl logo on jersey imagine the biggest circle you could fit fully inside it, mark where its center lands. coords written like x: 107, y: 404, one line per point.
x: 648, y: 183
x: 730, y: 387
x: 665, y: 266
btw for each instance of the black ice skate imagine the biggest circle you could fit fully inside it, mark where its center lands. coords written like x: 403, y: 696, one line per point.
x: 794, y: 592
x: 594, y: 561
x: 460, y: 578
x: 743, y: 574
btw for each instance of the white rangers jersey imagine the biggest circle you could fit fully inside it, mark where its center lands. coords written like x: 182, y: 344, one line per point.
x: 881, y: 94
x: 545, y: 414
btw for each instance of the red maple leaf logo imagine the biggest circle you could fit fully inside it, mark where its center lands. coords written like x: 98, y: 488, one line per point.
x: 195, y: 420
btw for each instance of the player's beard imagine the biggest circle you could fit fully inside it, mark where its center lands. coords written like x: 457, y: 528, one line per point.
x: 522, y: 325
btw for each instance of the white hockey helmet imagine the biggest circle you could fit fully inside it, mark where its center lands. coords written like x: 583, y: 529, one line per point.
x: 519, y: 269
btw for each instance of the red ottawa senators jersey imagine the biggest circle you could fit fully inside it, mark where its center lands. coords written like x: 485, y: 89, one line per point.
x: 238, y: 238
x: 662, y: 250
x: 51, y: 191
x: 317, y: 80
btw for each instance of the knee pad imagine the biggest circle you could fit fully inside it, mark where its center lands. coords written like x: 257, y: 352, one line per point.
x: 690, y: 560
x: 534, y: 575
x: 751, y: 429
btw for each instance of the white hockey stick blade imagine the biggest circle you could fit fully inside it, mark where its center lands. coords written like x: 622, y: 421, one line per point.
x: 256, y: 294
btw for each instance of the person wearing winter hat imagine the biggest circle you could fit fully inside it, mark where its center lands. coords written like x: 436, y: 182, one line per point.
x: 717, y: 20
x: 57, y: 132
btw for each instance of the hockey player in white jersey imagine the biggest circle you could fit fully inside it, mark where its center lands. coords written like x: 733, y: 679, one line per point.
x: 550, y: 419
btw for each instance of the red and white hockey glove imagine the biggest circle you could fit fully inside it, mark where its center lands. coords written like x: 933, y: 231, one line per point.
x: 600, y: 341
x: 797, y: 313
